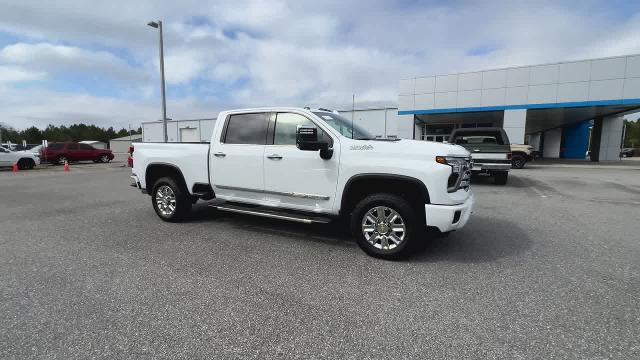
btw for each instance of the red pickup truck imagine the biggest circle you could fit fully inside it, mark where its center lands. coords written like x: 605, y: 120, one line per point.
x: 58, y: 153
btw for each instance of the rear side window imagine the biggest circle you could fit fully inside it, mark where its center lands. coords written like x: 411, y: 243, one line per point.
x: 479, y: 138
x: 85, y: 147
x: 72, y: 146
x: 247, y: 129
x: 56, y: 146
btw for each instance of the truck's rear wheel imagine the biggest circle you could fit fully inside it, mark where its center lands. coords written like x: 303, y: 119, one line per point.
x: 385, y: 226
x: 170, y: 201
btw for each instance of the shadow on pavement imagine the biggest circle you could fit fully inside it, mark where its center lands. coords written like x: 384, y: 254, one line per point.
x: 484, y: 239
x: 334, y: 233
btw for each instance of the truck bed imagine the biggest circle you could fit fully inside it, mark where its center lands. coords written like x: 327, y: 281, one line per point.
x: 191, y: 159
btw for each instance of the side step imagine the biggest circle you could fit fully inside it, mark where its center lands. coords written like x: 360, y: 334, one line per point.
x: 270, y: 213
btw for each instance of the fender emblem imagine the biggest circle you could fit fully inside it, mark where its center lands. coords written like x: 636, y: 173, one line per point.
x: 361, y: 147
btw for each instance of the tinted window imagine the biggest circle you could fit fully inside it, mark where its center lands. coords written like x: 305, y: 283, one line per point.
x: 286, y: 126
x: 2, y: 149
x: 72, y: 146
x: 247, y: 129
x: 477, y: 137
x: 56, y: 146
x: 85, y: 147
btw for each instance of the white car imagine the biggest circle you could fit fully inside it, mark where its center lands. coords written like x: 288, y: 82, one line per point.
x: 25, y: 160
x: 312, y: 166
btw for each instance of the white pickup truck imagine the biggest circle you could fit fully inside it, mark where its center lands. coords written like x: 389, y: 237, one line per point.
x: 312, y: 166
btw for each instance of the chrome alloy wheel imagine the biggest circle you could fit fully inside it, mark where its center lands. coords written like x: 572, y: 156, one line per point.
x: 104, y: 158
x: 383, y: 228
x: 166, y: 200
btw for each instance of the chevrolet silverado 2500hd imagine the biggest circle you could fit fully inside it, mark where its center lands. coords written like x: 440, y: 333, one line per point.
x: 312, y: 166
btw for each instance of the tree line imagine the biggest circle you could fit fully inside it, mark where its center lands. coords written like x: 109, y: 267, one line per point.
x: 632, y: 134
x: 52, y: 133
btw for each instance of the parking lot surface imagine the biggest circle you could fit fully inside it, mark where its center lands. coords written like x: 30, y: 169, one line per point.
x: 548, y: 266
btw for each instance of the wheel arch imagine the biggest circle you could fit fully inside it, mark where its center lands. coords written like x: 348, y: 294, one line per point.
x: 361, y: 185
x: 155, y: 171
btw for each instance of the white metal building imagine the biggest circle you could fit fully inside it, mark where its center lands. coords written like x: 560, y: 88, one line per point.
x: 95, y: 143
x: 196, y: 130
x: 381, y: 122
x: 120, y: 146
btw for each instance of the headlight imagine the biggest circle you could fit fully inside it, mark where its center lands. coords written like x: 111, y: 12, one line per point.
x: 460, y: 174
x: 456, y: 163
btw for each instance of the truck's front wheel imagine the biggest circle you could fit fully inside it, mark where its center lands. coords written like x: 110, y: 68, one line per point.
x: 385, y: 225
x: 170, y: 200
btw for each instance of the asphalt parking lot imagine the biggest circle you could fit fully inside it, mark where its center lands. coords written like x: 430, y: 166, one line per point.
x: 548, y: 267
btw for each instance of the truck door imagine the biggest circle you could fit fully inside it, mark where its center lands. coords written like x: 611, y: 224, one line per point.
x: 295, y: 178
x: 237, y: 156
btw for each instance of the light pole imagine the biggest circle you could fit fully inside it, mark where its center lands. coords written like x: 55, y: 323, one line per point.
x: 158, y: 25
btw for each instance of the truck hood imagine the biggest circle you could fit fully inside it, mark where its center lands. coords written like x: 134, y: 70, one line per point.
x: 410, y: 148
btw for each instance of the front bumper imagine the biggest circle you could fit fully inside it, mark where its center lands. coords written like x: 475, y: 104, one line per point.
x: 449, y: 217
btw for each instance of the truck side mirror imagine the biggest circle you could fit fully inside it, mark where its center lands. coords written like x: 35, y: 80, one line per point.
x: 307, y: 140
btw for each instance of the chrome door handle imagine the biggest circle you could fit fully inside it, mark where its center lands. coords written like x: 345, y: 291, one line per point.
x: 274, y: 157
x: 220, y: 154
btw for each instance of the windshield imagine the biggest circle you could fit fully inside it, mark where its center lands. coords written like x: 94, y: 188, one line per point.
x: 343, y: 126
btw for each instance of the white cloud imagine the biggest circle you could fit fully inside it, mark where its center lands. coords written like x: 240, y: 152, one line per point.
x: 70, y: 59
x: 20, y: 111
x: 10, y: 74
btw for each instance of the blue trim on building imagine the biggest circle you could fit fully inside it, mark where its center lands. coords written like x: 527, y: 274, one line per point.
x: 523, y: 106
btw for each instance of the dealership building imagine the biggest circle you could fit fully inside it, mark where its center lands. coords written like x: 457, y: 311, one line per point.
x: 561, y: 109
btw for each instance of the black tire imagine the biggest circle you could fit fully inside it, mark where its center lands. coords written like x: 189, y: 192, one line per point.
x: 501, y: 177
x: 414, y: 227
x: 518, y: 161
x: 182, y: 205
x: 26, y: 164
x: 104, y: 159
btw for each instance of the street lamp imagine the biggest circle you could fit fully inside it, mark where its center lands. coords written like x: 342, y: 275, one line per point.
x: 158, y: 25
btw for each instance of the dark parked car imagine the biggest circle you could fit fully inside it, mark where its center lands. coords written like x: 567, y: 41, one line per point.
x: 58, y: 153
x: 626, y: 152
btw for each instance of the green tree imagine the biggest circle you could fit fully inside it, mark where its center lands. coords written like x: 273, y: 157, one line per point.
x: 632, y: 134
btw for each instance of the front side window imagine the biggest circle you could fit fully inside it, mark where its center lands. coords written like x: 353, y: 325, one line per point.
x: 287, y: 125
x: 72, y: 146
x: 247, y: 129
x: 85, y: 147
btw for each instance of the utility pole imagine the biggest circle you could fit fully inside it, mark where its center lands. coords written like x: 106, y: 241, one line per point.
x: 158, y: 25
x: 353, y: 111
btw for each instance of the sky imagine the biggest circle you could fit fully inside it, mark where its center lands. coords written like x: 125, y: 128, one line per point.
x: 65, y: 62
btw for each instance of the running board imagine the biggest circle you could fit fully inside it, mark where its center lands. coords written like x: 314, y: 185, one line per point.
x: 258, y: 211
